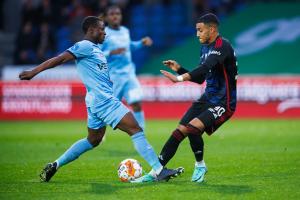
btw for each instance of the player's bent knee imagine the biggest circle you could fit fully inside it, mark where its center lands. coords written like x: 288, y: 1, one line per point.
x: 95, y: 136
x: 193, y: 130
x: 182, y: 129
x: 134, y: 130
x: 178, y: 135
x: 95, y: 140
x: 136, y: 107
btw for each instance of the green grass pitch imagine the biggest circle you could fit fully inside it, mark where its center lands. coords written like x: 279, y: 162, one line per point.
x: 246, y: 159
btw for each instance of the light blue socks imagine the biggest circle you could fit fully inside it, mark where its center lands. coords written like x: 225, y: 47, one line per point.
x: 146, y: 151
x: 140, y: 143
x: 74, y: 152
x: 140, y: 118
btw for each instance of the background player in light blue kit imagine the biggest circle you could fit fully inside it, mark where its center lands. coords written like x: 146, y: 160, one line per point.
x: 102, y: 107
x: 117, y: 48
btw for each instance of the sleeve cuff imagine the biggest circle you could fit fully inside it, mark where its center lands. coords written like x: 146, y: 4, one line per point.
x: 71, y: 53
x: 182, y: 71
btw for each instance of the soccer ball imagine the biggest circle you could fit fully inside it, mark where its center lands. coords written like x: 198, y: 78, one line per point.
x: 129, y: 169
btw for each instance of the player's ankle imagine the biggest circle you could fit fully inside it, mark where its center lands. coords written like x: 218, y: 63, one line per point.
x: 56, y: 164
x: 200, y: 163
x: 156, y: 172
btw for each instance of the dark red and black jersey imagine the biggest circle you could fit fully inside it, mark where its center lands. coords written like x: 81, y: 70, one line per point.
x: 218, y: 67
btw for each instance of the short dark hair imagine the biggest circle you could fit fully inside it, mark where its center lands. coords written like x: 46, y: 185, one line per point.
x: 209, y: 18
x: 111, y: 7
x: 88, y: 22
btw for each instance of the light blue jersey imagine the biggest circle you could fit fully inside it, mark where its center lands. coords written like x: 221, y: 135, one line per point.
x: 103, y: 108
x: 93, y: 71
x: 121, y: 63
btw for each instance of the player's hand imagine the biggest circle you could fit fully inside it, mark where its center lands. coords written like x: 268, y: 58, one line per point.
x: 26, y: 75
x: 147, y: 41
x: 117, y: 51
x: 172, y: 64
x: 170, y: 76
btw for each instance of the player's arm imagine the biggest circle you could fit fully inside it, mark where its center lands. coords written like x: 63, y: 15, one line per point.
x: 216, y: 56
x: 197, y: 75
x: 52, y: 62
x: 175, y: 79
x: 115, y: 51
x: 108, y: 52
x: 145, y: 41
x: 173, y: 65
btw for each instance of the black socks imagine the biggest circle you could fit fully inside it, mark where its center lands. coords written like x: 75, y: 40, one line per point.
x: 170, y: 147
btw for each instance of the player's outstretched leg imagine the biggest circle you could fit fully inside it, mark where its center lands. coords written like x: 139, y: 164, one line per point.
x: 48, y: 172
x: 129, y: 125
x: 70, y: 155
x: 81, y: 146
x: 146, y: 151
x: 171, y: 146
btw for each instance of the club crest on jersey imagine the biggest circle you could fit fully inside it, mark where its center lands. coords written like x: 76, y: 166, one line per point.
x: 101, y: 56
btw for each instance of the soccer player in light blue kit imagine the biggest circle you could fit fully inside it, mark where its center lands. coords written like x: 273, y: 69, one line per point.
x: 117, y: 48
x: 102, y: 107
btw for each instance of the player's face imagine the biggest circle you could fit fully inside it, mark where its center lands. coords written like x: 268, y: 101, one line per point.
x: 114, y: 17
x: 99, y: 32
x: 203, y: 33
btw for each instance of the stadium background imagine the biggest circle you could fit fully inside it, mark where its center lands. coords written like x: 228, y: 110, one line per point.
x: 266, y: 44
x: 253, y: 156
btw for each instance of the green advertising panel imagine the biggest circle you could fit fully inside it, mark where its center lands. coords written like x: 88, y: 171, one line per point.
x: 266, y: 38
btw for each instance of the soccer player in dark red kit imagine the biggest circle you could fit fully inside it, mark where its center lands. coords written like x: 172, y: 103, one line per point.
x: 218, y: 68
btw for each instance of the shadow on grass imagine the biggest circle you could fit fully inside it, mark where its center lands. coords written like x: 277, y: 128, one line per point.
x: 229, y: 189
x: 184, y: 186
x: 111, y: 188
x: 220, y: 188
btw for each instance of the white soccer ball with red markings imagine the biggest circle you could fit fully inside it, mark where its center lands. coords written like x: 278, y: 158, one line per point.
x: 129, y: 169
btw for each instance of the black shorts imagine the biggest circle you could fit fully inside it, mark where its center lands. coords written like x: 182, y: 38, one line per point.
x: 211, y: 115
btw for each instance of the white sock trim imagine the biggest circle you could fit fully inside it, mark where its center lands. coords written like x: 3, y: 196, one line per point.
x: 154, y: 173
x: 200, y: 164
x: 57, y: 164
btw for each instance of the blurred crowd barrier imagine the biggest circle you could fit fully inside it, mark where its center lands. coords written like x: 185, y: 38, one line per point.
x: 258, y: 97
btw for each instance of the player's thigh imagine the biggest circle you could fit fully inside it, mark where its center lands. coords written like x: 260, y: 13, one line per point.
x: 214, y: 117
x: 129, y: 124
x: 132, y: 90
x: 93, y: 121
x: 195, y: 110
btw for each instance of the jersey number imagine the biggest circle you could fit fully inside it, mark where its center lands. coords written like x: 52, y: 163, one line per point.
x: 217, y: 111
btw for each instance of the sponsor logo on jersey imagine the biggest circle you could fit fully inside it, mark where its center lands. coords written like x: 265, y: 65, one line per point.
x: 214, y: 52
